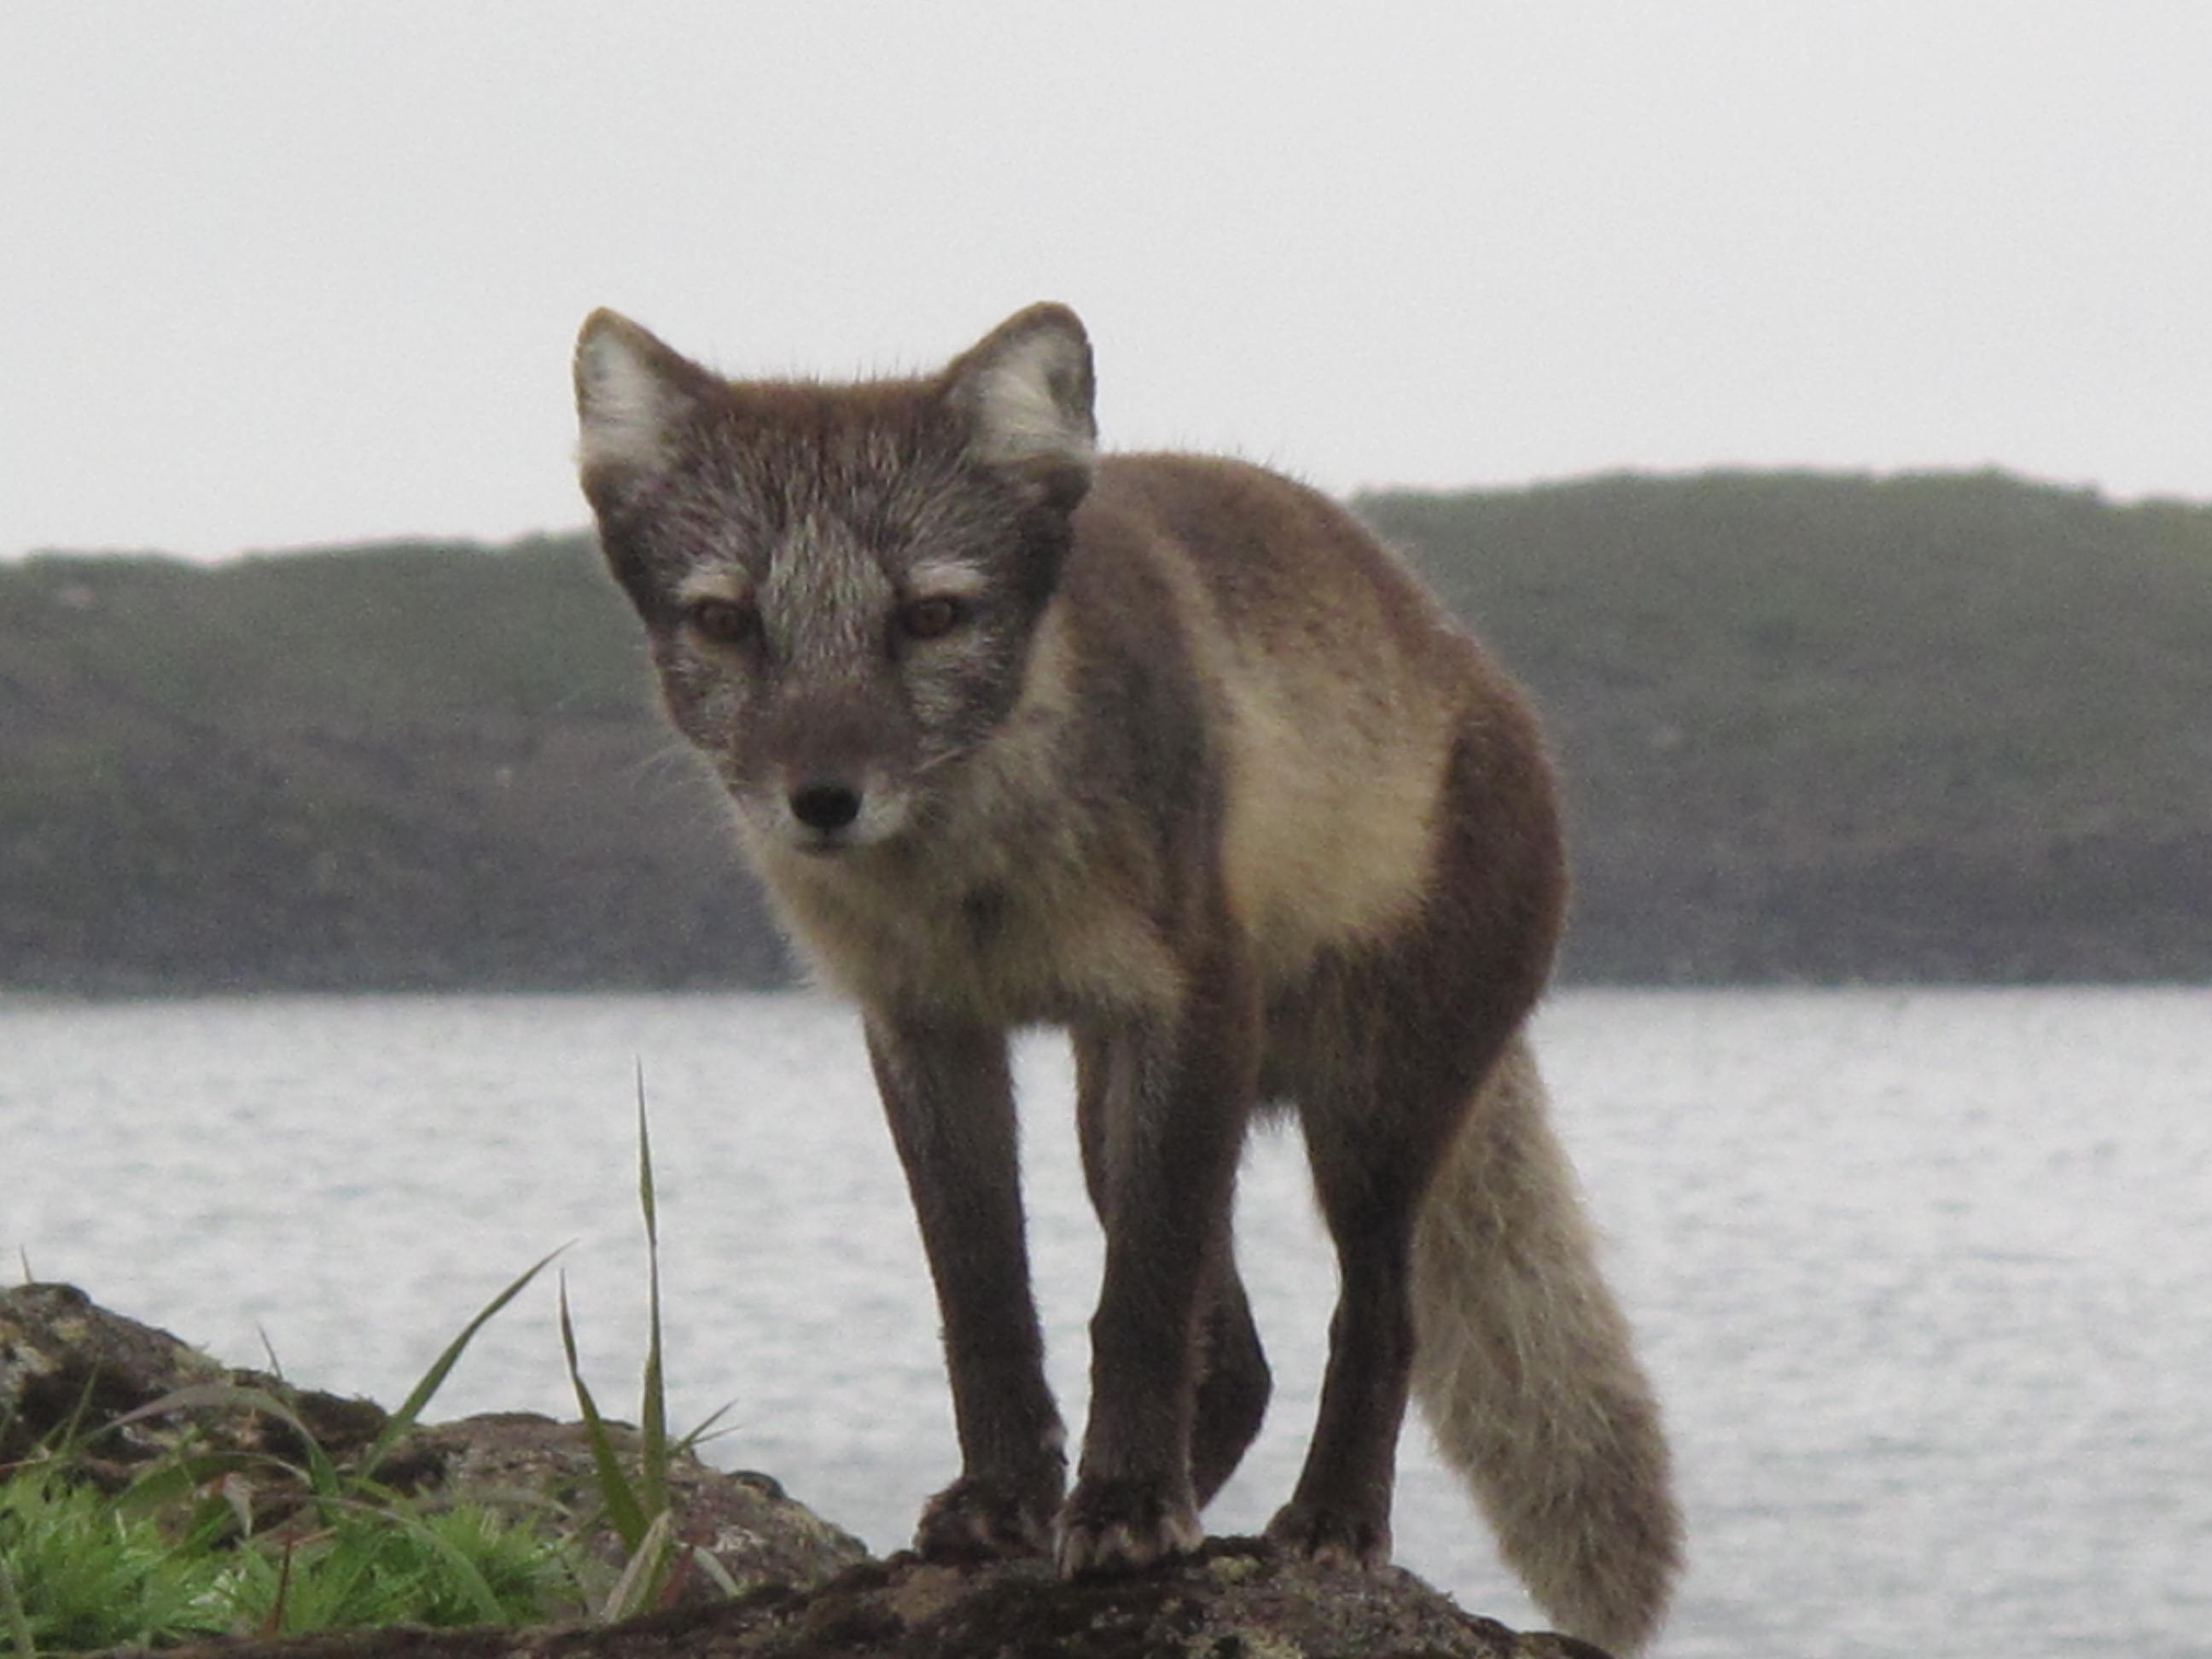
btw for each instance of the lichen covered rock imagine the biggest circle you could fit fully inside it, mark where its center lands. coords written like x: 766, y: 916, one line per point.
x: 71, y: 1369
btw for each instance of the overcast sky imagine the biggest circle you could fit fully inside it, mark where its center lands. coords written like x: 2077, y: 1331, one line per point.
x: 277, y: 274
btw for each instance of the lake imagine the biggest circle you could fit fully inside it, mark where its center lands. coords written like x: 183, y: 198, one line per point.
x: 1924, y: 1277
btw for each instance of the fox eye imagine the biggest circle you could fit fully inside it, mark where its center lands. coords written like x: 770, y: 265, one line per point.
x: 932, y: 618
x: 725, y: 622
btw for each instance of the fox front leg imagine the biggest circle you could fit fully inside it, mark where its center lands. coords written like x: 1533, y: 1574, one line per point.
x: 948, y: 1095
x: 1177, y: 1098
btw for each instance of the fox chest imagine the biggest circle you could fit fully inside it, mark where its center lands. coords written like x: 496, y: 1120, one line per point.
x: 1001, y: 943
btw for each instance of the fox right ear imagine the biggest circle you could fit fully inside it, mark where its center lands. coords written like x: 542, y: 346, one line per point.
x: 1026, y: 389
x: 631, y: 392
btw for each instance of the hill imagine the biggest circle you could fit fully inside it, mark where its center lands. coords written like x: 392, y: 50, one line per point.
x: 399, y: 767
x: 1831, y: 728
x: 1813, y: 728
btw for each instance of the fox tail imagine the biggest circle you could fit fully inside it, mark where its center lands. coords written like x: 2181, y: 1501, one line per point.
x: 1525, y: 1371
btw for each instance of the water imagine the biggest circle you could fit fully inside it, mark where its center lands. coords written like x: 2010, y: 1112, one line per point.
x: 1925, y: 1279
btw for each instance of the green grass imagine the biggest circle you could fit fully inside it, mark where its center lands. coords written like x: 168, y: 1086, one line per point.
x: 79, y: 1571
x: 185, y: 1552
x: 206, y: 1543
x: 376, y: 1567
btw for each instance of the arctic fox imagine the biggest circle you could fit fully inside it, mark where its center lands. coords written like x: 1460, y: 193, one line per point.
x: 1166, y: 750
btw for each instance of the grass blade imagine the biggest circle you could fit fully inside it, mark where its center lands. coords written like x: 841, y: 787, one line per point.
x: 652, y: 1408
x: 645, y: 1576
x: 322, y: 1473
x: 434, y: 1378
x: 705, y: 1430
x: 19, y: 1638
x: 624, y: 1512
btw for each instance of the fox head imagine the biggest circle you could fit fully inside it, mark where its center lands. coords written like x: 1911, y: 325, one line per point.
x: 840, y: 583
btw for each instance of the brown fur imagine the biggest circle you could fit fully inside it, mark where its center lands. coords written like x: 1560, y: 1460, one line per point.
x: 1196, y: 770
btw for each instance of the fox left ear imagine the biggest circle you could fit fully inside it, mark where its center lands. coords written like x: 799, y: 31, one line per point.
x: 1026, y: 389
x: 631, y: 392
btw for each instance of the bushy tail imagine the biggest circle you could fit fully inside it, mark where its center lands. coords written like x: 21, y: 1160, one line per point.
x: 1525, y: 1373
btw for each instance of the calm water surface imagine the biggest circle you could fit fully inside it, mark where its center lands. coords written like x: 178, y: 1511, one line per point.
x: 1926, y: 1278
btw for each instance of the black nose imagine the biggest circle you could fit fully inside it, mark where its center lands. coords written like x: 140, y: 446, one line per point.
x: 827, y: 807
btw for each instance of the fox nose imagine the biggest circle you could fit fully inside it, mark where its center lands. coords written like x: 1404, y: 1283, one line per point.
x: 825, y: 807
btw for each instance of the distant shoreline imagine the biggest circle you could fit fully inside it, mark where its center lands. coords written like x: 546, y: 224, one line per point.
x: 1817, y: 729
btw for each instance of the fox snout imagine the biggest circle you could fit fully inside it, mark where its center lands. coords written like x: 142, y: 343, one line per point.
x: 823, y: 810
x: 818, y: 769
x: 825, y: 806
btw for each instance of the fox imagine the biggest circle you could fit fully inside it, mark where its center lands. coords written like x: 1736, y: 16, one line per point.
x: 1169, y: 752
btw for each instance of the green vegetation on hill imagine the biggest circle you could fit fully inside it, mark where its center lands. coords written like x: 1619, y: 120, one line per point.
x: 1813, y: 727
x: 404, y: 767
x: 1818, y: 728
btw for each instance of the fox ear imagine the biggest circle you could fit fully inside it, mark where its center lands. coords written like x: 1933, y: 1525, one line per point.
x: 631, y: 391
x: 1026, y: 389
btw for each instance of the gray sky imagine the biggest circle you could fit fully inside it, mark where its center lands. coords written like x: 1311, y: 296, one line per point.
x: 285, y: 273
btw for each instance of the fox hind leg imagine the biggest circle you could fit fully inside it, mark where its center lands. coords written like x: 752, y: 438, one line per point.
x: 1234, y: 1383
x: 1232, y: 1389
x: 1374, y: 1133
x: 1169, y: 1096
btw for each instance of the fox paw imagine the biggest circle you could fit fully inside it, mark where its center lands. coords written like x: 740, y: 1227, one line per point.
x: 1121, y: 1526
x: 975, y: 1519
x: 1335, y: 1538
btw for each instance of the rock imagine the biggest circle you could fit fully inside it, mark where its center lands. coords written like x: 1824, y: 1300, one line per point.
x: 69, y: 1368
x: 1236, y: 1599
x: 757, y: 1534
